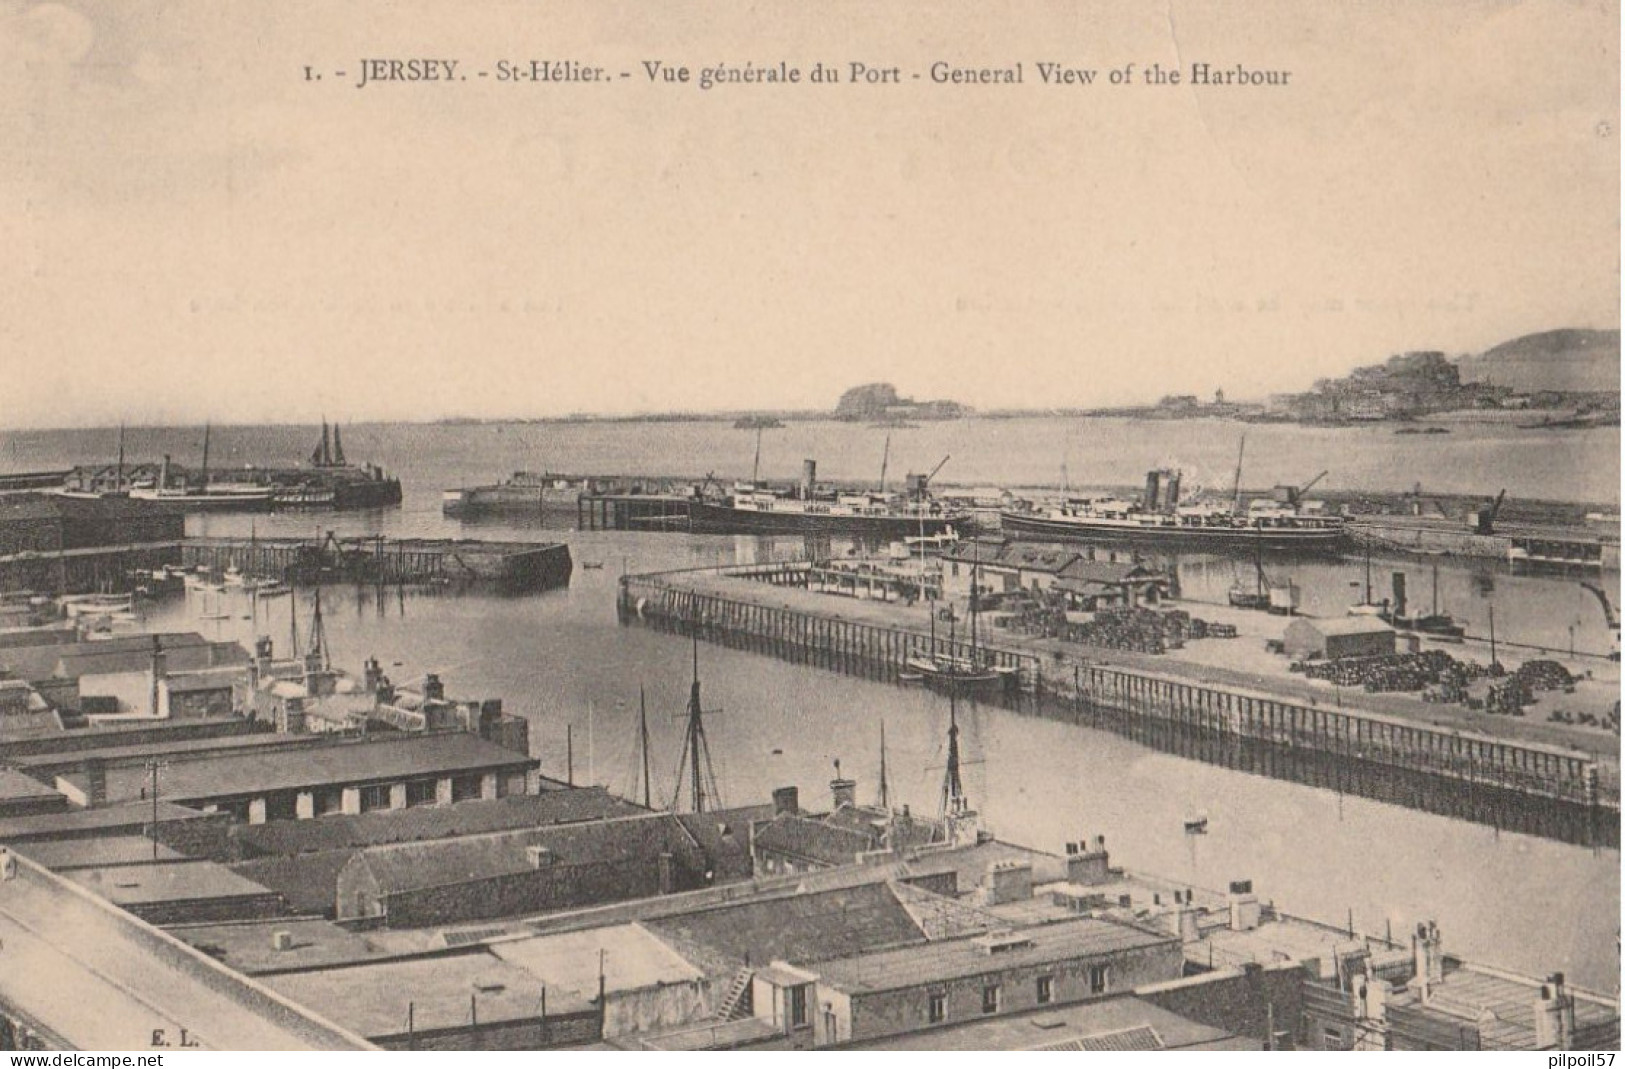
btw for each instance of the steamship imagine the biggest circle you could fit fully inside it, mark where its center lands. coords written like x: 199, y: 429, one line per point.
x: 1282, y: 521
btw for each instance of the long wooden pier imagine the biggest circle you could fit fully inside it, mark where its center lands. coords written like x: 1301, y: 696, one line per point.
x: 1201, y: 719
x: 85, y: 570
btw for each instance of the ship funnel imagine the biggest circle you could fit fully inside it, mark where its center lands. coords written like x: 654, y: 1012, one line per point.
x: 1173, y: 490
x: 1153, y: 488
x: 809, y: 478
x: 1399, y: 594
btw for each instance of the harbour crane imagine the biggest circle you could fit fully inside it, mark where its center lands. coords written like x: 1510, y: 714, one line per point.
x: 1484, y: 519
x: 922, y: 483
x: 1294, y: 494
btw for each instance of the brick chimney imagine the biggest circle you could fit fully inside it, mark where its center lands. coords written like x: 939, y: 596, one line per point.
x: 1244, y: 909
x: 1007, y: 881
x: 786, y: 801
x: 1090, y: 866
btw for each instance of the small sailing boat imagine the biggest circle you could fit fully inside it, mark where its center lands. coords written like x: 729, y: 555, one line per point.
x: 972, y: 672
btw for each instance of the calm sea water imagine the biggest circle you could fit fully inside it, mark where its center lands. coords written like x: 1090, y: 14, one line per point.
x: 1474, y: 458
x: 562, y: 659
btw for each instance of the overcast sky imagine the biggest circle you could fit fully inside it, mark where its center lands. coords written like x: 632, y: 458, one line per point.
x: 194, y: 231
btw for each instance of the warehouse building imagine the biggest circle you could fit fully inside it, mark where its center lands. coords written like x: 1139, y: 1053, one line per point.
x: 1337, y: 638
x: 312, y: 780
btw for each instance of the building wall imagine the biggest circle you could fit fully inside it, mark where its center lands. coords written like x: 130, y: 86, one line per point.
x: 1241, y: 1003
x: 132, y: 689
x: 528, y: 1033
x: 207, y: 837
x: 211, y: 910
x: 27, y: 807
x: 648, y: 1008
x: 196, y: 704
x: 870, y: 1015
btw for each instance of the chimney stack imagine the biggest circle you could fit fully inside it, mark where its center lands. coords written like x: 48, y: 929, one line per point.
x: 1427, y: 954
x: 1086, y: 866
x: 786, y: 801
x: 433, y: 689
x: 1007, y: 881
x: 843, y: 791
x: 1399, y: 593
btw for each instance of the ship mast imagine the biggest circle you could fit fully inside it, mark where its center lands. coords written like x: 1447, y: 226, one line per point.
x: 205, y: 485
x: 318, y: 633
x: 1236, y: 489
x: 885, y: 790
x: 756, y: 466
x: 953, y: 789
x: 643, y: 734
x: 120, y: 484
x: 885, y: 458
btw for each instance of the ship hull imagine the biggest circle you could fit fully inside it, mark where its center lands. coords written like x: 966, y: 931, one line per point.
x: 358, y: 494
x: 720, y: 519
x: 483, y: 500
x: 1026, y: 527
x: 211, y: 502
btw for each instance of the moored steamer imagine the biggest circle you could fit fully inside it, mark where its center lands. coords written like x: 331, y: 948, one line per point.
x: 1282, y: 522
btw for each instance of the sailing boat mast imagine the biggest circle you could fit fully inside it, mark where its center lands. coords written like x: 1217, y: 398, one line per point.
x: 975, y: 581
x: 120, y: 484
x: 643, y: 735
x: 885, y: 458
x: 1368, y: 573
x: 318, y: 633
x: 756, y: 467
x: 953, y: 789
x: 205, y: 485
x: 1258, y: 559
x: 696, y: 751
x: 885, y: 790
